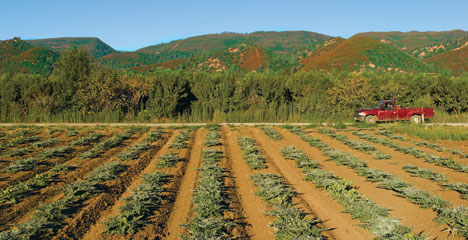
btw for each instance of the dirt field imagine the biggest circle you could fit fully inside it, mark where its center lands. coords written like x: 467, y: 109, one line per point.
x: 129, y: 182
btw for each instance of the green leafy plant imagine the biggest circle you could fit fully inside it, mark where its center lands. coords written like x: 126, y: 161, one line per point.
x: 251, y: 154
x: 16, y: 152
x: 272, y: 133
x: 87, y: 140
x: 439, y: 161
x: 213, y: 127
x: 460, y: 187
x: 167, y: 160
x: 134, y: 152
x: 153, y: 136
x: 212, y: 139
x: 15, y: 193
x: 425, y: 173
x: 61, y: 168
x: 140, y: 205
x: 23, y: 139
x: 456, y: 220
x: 57, y: 152
x: 21, y: 165
x: 210, y: 201
x: 107, y: 144
x: 107, y: 171
x: 45, y: 143
x: 180, y: 140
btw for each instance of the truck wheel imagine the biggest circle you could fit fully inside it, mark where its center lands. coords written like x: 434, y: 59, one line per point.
x: 371, y: 119
x: 415, y: 119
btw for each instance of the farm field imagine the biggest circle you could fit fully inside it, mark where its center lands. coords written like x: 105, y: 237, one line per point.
x: 230, y: 182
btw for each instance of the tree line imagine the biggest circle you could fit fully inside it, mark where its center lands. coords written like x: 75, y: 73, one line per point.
x: 79, y: 89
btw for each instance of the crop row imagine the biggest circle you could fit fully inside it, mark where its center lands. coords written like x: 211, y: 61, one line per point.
x: 290, y: 222
x: 29, y: 163
x: 171, y: 159
x: 51, y: 216
x: 20, y: 190
x: 272, y: 133
x: 146, y: 198
x: 374, y: 218
x: 446, y: 212
x: 390, y: 135
x: 87, y: 140
x: 211, y: 201
x: 114, y: 141
x: 20, y: 138
x: 15, y: 193
x: 250, y: 153
x: 210, y: 198
x: 440, y: 161
x: 425, y: 144
x: 133, y: 152
x: 33, y: 140
x: 180, y: 140
x: 36, y: 143
x: 357, y: 145
x: 212, y: 139
x: 440, y: 178
x: 24, y: 164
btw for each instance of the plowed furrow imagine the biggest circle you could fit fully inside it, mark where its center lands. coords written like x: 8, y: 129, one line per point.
x: 182, y: 205
x: 322, y: 205
x: 411, y: 215
x: 77, y: 226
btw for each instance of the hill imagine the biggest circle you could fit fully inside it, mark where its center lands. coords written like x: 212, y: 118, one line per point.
x: 270, y: 40
x: 17, y: 55
x: 287, y: 51
x: 455, y: 60
x: 123, y: 60
x: 358, y: 53
x: 94, y: 46
x: 172, y: 64
x: 421, y: 45
x: 240, y: 57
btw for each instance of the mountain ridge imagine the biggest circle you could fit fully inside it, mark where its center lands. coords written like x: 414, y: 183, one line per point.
x: 93, y: 45
x: 283, y: 51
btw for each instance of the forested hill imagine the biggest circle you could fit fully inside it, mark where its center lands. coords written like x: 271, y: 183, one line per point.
x: 288, y: 51
x: 279, y: 41
x: 17, y: 56
x: 422, y: 45
x: 94, y: 46
x: 361, y: 53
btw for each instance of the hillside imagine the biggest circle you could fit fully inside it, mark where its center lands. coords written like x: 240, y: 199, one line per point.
x: 123, y: 60
x: 239, y: 57
x: 287, y: 51
x: 358, y: 53
x: 172, y: 64
x: 455, y: 60
x: 271, y: 40
x: 17, y: 55
x: 94, y: 46
x: 421, y: 45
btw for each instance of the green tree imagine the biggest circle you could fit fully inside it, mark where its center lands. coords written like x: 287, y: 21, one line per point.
x: 350, y: 93
x: 73, y: 67
x: 168, y: 94
x: 102, y: 91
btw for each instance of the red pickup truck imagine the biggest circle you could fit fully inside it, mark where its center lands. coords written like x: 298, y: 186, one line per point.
x: 388, y: 110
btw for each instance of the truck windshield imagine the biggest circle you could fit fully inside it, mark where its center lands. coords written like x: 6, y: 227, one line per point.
x: 378, y: 105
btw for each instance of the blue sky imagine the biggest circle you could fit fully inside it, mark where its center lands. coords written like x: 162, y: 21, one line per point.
x: 130, y: 25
